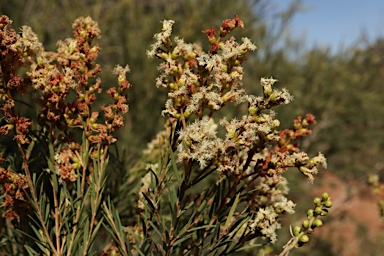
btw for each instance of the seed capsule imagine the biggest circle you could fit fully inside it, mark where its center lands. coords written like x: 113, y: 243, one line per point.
x: 317, y: 201
x: 296, y: 230
x: 304, y: 239
x: 328, y: 203
x: 317, y: 223
x: 305, y: 224
x: 324, y: 196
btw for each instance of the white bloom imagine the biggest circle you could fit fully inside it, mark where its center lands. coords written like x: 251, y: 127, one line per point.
x: 201, y: 136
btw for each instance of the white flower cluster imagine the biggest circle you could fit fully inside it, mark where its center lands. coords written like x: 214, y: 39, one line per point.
x: 28, y: 42
x: 199, y: 142
x: 270, y: 202
x: 161, y: 37
x: 200, y: 84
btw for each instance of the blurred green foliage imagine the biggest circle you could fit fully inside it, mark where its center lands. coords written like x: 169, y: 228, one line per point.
x: 344, y: 90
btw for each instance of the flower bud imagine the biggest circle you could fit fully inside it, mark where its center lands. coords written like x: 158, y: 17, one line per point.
x: 270, y: 137
x: 196, y: 83
x: 192, y: 55
x: 310, y: 213
x: 252, y: 110
x: 212, y: 40
x: 174, y: 55
x: 92, y: 120
x: 10, y: 127
x: 76, y: 165
x: 276, y: 123
x: 164, y: 56
x: 187, y: 113
x: 296, y: 126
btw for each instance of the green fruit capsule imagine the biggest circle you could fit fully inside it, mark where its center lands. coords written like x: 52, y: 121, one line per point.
x: 324, y: 197
x: 317, y: 201
x: 296, y: 230
x: 328, y: 203
x: 318, y: 210
x: 305, y: 224
x: 317, y: 223
x: 304, y: 239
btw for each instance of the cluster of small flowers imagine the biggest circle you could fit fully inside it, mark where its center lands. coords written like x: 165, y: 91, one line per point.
x: 202, y: 83
x: 268, y: 202
x: 72, y: 68
x: 68, y: 161
x: 57, y: 78
x: 15, y: 188
x: 197, y: 80
x: 15, y: 49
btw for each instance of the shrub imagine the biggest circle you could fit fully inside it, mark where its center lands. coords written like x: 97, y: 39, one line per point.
x: 210, y: 186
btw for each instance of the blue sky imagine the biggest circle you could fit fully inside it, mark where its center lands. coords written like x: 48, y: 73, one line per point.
x: 337, y: 23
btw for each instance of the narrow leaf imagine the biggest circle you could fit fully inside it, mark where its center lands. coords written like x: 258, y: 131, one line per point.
x: 232, y: 211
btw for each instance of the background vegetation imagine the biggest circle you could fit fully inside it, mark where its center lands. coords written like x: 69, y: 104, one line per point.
x: 343, y: 90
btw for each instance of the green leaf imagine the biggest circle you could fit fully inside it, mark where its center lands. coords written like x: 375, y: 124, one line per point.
x: 248, y: 247
x: 111, y: 233
x: 216, y: 232
x: 155, y: 228
x: 30, y: 251
x: 138, y: 250
x: 201, y: 227
x: 232, y: 211
x: 174, y: 166
x: 85, y: 230
x: 202, y: 205
x: 150, y: 203
x: 156, y: 183
x: 51, y: 153
x: 182, y: 240
x: 30, y: 148
x: 95, y: 231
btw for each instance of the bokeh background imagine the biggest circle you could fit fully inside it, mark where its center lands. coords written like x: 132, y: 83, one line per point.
x: 328, y: 54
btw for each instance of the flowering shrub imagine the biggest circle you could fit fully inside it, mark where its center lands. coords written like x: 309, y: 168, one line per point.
x: 211, y: 186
